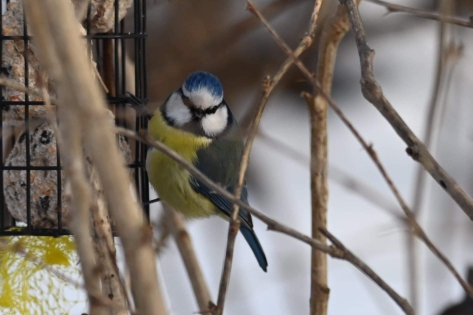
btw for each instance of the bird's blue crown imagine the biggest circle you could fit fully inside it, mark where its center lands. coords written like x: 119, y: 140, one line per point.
x: 203, y: 80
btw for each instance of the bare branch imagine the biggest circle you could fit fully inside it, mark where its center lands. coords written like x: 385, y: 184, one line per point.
x: 373, y: 93
x: 268, y: 87
x: 272, y: 224
x: 112, y: 284
x: 369, y: 149
x: 20, y: 87
x: 424, y: 14
x: 62, y: 53
x: 186, y: 249
x: 332, y: 33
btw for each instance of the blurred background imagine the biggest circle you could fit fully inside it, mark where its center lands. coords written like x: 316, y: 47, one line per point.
x: 221, y: 37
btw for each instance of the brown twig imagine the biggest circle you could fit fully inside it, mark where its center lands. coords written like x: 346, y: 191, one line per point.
x: 95, y: 229
x: 112, y: 284
x: 332, y: 33
x: 20, y: 87
x: 369, y: 149
x: 319, y: 290
x: 63, y: 54
x: 373, y: 93
x: 271, y: 224
x: 79, y: 224
x: 268, y: 87
x: 231, y: 35
x: 424, y: 14
x: 189, y: 257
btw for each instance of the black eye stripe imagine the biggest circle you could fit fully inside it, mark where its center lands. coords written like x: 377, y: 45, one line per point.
x: 197, y: 111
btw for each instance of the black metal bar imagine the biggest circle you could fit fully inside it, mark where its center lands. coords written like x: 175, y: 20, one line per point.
x: 115, y: 50
x: 87, y: 22
x: 53, y: 168
x: 27, y: 127
x: 120, y: 99
x: 30, y: 167
x: 120, y: 38
x: 2, y: 201
x: 145, y: 188
x: 92, y: 36
x: 59, y: 187
x: 22, y: 103
x: 36, y: 232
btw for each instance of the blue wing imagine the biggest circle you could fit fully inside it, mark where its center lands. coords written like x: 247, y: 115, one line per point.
x: 246, y: 227
x: 220, y: 161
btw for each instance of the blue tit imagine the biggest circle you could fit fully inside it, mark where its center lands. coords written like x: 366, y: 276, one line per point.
x: 197, y: 123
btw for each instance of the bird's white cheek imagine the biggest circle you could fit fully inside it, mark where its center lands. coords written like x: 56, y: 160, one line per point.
x: 215, y: 123
x: 177, y: 110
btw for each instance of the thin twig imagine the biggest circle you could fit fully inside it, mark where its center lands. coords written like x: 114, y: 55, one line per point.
x: 349, y: 256
x: 63, y: 54
x: 369, y: 149
x: 268, y: 87
x: 369, y: 193
x: 373, y: 93
x: 21, y: 88
x: 341, y: 177
x: 424, y: 14
x: 420, y: 177
x: 232, y: 34
x: 189, y: 257
x: 271, y: 224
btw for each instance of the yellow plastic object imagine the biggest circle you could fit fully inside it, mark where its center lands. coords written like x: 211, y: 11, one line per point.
x: 26, y: 286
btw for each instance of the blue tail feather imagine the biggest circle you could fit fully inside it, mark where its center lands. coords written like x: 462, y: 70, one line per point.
x: 255, y: 245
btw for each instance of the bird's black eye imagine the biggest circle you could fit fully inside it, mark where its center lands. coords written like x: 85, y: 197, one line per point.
x: 187, y: 101
x: 197, y: 112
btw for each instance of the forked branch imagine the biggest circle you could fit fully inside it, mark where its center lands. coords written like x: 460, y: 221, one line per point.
x: 372, y: 154
x: 373, y: 93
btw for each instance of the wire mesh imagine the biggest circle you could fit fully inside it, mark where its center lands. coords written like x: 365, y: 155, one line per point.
x: 109, y: 50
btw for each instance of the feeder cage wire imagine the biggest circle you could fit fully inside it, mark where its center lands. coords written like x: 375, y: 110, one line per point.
x: 109, y: 52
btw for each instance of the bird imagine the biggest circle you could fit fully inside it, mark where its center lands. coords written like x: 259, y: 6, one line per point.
x: 197, y: 123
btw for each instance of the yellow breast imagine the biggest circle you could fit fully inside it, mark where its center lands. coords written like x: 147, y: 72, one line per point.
x: 169, y: 179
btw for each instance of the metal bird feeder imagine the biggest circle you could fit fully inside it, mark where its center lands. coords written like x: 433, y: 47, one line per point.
x: 32, y: 183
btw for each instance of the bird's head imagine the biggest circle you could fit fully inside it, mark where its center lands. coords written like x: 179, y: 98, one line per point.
x: 198, y: 106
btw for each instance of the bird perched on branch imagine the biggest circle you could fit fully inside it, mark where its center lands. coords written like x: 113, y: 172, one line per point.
x: 196, y: 122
